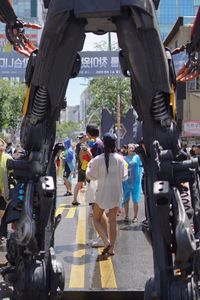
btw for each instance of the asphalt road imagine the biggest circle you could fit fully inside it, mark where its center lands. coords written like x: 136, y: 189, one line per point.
x: 85, y: 269
x: 129, y: 269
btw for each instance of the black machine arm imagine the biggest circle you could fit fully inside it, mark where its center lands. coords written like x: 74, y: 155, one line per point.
x: 156, y: 3
x: 191, y: 68
x: 174, y: 242
x: 15, y: 29
x: 7, y: 14
x: 46, y: 3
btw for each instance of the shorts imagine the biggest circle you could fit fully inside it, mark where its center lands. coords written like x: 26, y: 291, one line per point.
x: 81, y: 175
x: 67, y: 171
x: 2, y: 203
x: 130, y: 194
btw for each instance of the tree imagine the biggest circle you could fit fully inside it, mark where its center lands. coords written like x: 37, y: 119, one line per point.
x: 104, y: 92
x: 67, y: 130
x: 12, y: 95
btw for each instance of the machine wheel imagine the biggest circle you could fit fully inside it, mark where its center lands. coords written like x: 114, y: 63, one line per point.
x: 21, y: 283
x: 184, y: 290
x: 57, y: 280
x: 193, y: 291
x: 30, y: 280
x: 150, y: 291
x: 13, y: 250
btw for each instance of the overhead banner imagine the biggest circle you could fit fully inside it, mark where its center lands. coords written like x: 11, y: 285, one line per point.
x: 93, y: 64
x: 13, y: 65
x: 100, y: 63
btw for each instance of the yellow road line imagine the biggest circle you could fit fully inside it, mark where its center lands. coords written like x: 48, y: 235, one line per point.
x: 107, y: 273
x: 60, y: 209
x: 77, y: 275
x: 71, y: 213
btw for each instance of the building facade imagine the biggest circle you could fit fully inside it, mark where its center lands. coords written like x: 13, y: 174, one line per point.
x: 85, y: 101
x: 169, y: 11
x: 188, y: 102
x: 70, y: 113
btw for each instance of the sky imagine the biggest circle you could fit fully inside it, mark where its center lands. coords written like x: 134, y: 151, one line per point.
x: 77, y: 85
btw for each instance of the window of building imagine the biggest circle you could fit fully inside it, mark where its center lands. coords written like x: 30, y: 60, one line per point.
x: 194, y: 85
x: 33, y: 8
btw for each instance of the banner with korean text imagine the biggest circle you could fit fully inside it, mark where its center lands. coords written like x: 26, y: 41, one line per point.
x: 93, y: 64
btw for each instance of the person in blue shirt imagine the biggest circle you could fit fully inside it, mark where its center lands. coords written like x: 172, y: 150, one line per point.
x: 69, y: 166
x: 132, y: 187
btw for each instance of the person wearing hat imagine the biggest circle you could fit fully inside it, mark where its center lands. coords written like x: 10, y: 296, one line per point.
x: 109, y: 169
x: 81, y: 150
x: 96, y: 148
x: 68, y: 165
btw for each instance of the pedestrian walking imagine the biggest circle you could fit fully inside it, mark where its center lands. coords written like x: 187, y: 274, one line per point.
x: 4, y: 183
x: 109, y: 169
x: 92, y: 132
x: 96, y: 148
x: 82, y: 154
x: 132, y: 187
x: 69, y: 166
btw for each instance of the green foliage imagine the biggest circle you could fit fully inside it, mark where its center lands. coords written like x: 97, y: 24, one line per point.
x: 105, y: 90
x: 12, y: 95
x: 103, y: 46
x: 67, y: 130
x: 104, y: 93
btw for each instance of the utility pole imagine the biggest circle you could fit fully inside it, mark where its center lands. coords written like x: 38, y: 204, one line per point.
x: 118, y: 115
x: 109, y: 41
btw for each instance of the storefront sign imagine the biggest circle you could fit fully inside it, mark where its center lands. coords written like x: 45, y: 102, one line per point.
x: 191, y: 128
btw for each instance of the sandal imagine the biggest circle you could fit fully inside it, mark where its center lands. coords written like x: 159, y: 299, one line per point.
x: 75, y: 203
x: 68, y: 194
x: 135, y: 220
x: 126, y: 219
x: 106, y: 250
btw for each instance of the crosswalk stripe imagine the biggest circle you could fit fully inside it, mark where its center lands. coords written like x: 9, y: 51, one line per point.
x: 107, y: 273
x: 71, y: 213
x: 60, y: 210
x: 77, y: 275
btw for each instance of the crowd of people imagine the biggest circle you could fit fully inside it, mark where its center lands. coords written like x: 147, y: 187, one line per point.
x: 112, y: 178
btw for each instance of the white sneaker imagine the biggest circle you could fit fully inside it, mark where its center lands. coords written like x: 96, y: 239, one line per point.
x: 97, y: 243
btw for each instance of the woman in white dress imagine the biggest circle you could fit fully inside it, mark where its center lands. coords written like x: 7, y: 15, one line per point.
x: 109, y: 169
